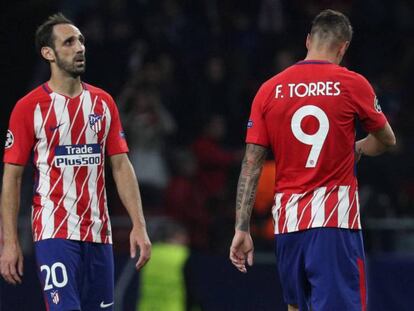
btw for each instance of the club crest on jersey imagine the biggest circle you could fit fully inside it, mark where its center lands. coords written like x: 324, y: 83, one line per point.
x: 377, y: 105
x: 95, y: 122
x: 55, y: 296
x: 249, y: 124
x: 9, y: 139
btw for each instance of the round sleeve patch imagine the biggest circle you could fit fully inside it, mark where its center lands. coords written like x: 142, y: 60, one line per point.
x: 9, y: 139
x: 377, y: 105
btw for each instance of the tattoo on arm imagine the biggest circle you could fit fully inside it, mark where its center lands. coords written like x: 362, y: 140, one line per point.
x: 246, y: 188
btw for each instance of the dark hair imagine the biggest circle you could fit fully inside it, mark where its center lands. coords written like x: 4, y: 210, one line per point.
x: 44, y: 33
x: 333, y: 26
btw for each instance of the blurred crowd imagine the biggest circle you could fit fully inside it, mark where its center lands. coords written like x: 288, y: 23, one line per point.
x: 184, y: 74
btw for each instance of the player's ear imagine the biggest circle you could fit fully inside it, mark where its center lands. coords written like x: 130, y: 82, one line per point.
x: 308, y: 40
x: 48, y: 53
x: 344, y: 46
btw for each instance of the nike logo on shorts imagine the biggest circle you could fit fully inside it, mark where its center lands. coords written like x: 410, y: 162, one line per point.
x: 106, y: 305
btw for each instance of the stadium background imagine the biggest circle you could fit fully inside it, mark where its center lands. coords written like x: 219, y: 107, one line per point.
x: 183, y: 74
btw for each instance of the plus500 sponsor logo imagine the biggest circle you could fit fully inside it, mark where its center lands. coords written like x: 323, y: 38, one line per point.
x: 78, y: 155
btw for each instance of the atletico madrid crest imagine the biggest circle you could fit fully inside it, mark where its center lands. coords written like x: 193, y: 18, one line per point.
x: 55, y: 297
x: 95, y: 122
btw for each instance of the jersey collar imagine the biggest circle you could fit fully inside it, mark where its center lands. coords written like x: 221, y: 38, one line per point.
x: 48, y: 90
x: 309, y: 62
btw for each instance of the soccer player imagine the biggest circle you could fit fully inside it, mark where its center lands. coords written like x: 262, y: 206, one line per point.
x: 306, y: 115
x: 69, y: 126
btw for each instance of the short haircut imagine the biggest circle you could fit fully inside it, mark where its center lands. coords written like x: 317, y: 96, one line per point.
x: 332, y: 26
x: 44, y: 33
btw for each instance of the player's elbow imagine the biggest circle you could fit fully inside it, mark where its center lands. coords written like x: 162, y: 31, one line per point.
x: 390, y: 141
x: 386, y: 136
x: 393, y: 142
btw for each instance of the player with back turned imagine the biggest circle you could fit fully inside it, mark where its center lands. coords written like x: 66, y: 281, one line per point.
x: 306, y: 116
x: 70, y: 127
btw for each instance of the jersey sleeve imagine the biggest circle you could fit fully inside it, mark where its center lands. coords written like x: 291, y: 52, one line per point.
x: 367, y: 107
x: 20, y: 136
x: 116, y: 142
x: 256, y: 128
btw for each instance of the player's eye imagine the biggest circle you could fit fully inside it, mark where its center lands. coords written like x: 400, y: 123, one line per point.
x: 68, y: 42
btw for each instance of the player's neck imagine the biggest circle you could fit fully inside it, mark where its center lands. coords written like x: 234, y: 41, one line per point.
x: 323, y: 56
x: 65, y: 85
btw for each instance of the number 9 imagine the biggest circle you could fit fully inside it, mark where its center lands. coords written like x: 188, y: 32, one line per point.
x: 315, y: 140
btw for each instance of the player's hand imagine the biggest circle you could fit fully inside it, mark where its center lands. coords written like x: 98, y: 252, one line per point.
x: 11, y: 263
x: 241, y: 250
x: 139, y: 238
x: 357, y: 152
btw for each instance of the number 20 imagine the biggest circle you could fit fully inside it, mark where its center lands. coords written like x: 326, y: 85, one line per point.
x: 315, y: 140
x: 51, y: 275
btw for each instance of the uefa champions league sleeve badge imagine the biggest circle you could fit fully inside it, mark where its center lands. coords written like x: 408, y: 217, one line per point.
x: 377, y: 106
x: 9, y: 139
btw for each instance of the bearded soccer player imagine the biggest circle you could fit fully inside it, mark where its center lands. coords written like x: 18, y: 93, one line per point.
x: 306, y: 116
x: 70, y: 126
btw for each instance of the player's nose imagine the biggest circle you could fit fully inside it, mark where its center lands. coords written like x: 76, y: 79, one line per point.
x: 79, y: 47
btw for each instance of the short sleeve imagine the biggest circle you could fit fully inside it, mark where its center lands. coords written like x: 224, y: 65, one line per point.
x: 116, y: 142
x: 366, y: 105
x: 20, y: 136
x: 256, y: 128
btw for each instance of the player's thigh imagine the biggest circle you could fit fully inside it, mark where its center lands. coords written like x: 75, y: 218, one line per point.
x: 98, y: 289
x: 290, y: 263
x: 59, y: 270
x: 335, y: 266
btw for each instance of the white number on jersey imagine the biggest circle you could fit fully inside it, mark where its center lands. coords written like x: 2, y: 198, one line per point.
x: 51, y: 275
x: 315, y: 140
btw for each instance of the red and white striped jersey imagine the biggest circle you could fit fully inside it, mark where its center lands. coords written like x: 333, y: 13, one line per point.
x: 306, y: 115
x: 69, y: 138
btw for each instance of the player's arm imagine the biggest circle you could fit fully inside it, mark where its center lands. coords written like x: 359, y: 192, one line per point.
x: 252, y: 164
x: 11, y: 261
x: 376, y: 142
x: 128, y: 190
x: 242, y: 245
x: 381, y: 137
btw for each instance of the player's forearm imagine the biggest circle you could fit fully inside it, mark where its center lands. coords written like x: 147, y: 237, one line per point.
x: 246, y: 188
x: 376, y: 142
x: 370, y: 146
x: 10, y: 205
x: 129, y: 194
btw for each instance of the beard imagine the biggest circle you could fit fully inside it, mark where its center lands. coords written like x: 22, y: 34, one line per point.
x: 73, y: 67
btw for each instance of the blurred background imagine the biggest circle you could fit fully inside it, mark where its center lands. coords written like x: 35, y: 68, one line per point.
x: 183, y: 74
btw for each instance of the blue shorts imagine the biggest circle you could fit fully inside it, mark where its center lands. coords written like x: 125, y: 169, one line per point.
x: 322, y: 269
x: 76, y: 275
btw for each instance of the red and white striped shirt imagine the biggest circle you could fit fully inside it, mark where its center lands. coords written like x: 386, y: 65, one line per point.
x: 69, y: 138
x: 306, y: 115
x: 336, y: 206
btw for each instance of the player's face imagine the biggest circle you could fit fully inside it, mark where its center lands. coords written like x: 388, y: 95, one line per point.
x: 69, y: 49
